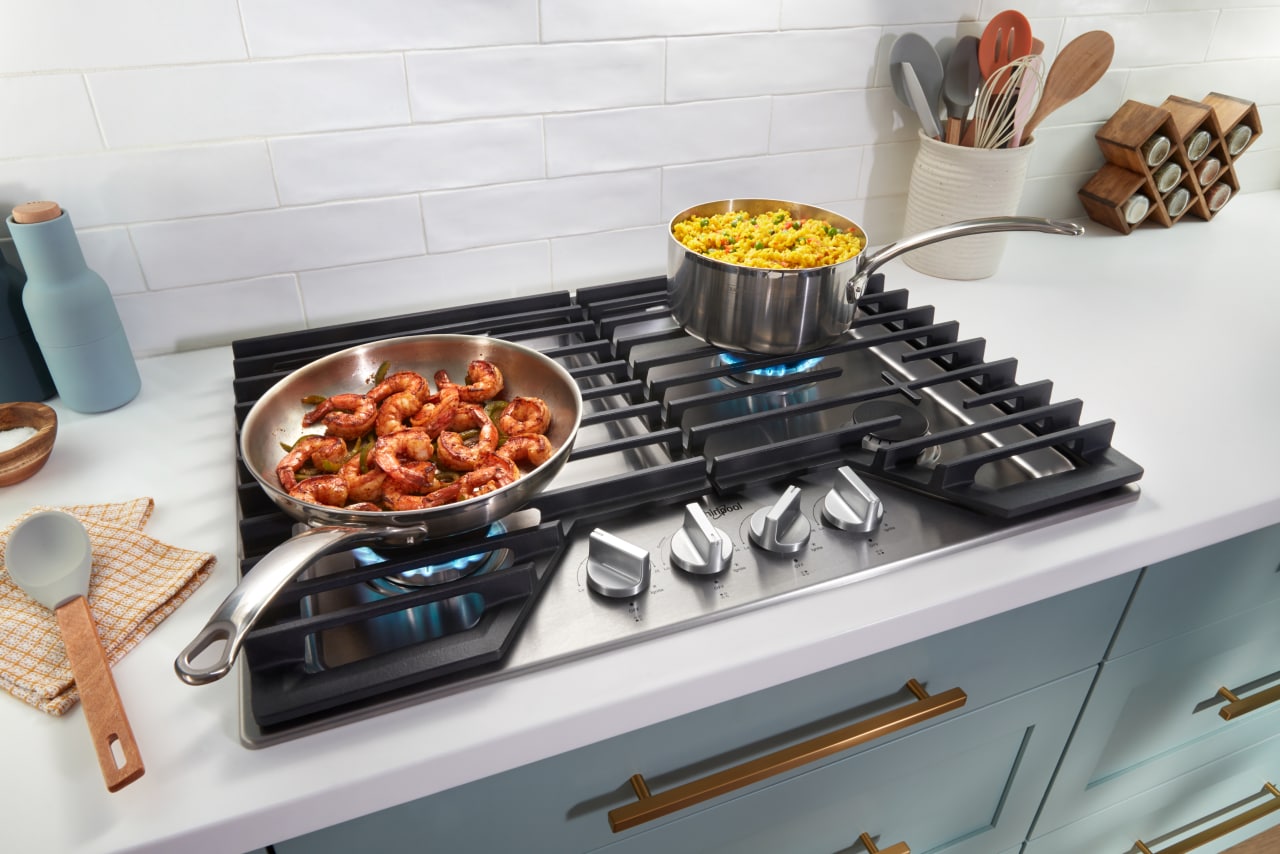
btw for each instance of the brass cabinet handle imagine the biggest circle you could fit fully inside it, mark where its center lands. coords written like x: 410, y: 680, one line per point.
x: 899, y: 848
x: 650, y: 807
x: 1236, y: 707
x: 1220, y: 830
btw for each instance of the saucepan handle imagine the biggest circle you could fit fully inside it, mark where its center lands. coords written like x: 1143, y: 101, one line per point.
x: 873, y: 260
x: 242, y: 607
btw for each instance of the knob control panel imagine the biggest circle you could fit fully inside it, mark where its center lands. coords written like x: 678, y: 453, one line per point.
x: 699, y: 547
x: 616, y: 568
x: 850, y: 505
x: 781, y: 528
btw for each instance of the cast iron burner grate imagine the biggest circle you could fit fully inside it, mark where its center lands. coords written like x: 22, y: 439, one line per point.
x: 665, y: 422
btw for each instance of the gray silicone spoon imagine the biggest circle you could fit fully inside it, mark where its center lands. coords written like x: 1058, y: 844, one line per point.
x: 49, y: 556
x: 960, y: 85
x: 912, y: 49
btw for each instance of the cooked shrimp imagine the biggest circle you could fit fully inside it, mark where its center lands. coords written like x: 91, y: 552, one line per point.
x: 525, y: 415
x: 363, y: 505
x: 398, y: 496
x: 363, y: 486
x: 469, y: 416
x: 437, y: 412
x: 533, y: 448
x: 484, y: 382
x: 395, y: 412
x: 347, y: 416
x: 453, y: 452
x: 328, y: 489
x: 318, y: 450
x: 493, y: 472
x: 390, y: 453
x: 401, y: 381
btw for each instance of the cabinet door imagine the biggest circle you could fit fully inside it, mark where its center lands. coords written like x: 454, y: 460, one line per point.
x: 969, y: 785
x: 1202, y: 587
x: 1226, y: 800
x: 1154, y: 713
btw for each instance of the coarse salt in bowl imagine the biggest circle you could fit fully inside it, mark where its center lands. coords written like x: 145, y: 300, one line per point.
x: 23, y: 452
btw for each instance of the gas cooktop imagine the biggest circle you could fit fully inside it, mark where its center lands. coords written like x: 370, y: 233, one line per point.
x: 702, y: 484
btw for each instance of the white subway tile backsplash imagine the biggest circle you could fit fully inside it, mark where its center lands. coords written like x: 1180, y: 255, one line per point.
x: 582, y: 20
x: 811, y: 177
x: 135, y: 186
x: 821, y: 14
x: 423, y: 282
x: 166, y: 106
x: 504, y: 81
x: 614, y: 140
x: 389, y: 161
x: 241, y: 246
x: 109, y: 253
x: 45, y: 115
x: 1152, y: 39
x: 1245, y: 34
x: 838, y: 120
x: 614, y: 256
x: 298, y: 27
x: 209, y: 315
x: 242, y: 166
x: 705, y: 67
x: 537, y: 210
x: 1255, y: 80
x: 62, y: 34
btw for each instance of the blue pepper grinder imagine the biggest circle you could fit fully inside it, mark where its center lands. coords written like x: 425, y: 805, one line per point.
x: 71, y: 312
x: 24, y: 377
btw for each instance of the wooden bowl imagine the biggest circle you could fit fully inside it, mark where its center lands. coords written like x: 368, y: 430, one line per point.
x: 18, y: 464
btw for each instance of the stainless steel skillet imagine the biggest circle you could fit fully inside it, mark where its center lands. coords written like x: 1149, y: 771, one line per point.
x: 276, y: 418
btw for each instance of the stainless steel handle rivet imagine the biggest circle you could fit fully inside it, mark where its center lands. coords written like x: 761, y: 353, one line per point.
x: 781, y: 528
x: 699, y: 547
x: 851, y: 505
x: 615, y: 567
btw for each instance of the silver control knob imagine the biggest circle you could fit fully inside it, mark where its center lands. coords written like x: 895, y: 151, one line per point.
x: 781, y: 528
x: 699, y: 547
x: 615, y: 567
x: 851, y: 505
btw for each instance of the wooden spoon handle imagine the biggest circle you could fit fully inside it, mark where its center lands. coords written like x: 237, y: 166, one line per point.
x: 103, y: 711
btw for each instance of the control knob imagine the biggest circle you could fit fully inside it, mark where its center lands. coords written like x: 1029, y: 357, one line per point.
x: 615, y: 568
x: 782, y: 528
x: 699, y: 547
x: 851, y: 505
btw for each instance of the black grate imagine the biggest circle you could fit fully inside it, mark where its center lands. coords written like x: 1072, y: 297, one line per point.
x: 635, y: 369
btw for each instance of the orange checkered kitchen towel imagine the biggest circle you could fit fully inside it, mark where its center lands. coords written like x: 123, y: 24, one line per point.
x: 136, y: 582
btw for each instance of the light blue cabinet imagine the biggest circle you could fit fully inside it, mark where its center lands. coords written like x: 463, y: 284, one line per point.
x: 977, y: 773
x: 1151, y: 733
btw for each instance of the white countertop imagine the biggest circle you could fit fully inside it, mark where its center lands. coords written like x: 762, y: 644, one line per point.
x: 1171, y: 333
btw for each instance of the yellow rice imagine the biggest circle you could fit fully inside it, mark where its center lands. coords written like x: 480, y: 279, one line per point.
x: 772, y: 240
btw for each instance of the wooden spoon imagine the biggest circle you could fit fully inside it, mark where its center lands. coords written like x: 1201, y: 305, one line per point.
x: 1079, y: 65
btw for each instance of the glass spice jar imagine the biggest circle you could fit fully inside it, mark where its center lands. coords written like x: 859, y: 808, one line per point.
x: 1167, y: 177
x: 1178, y: 201
x: 1135, y: 208
x: 1238, y: 138
x: 1217, y: 195
x: 1207, y: 171
x: 1198, y: 145
x: 1156, y: 150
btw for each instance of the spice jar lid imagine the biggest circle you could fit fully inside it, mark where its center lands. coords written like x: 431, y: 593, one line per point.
x: 32, y: 212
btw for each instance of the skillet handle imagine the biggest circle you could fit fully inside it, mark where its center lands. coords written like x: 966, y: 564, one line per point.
x: 873, y: 260
x: 242, y: 607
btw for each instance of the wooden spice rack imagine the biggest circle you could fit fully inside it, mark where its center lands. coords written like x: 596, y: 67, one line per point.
x: 1127, y: 171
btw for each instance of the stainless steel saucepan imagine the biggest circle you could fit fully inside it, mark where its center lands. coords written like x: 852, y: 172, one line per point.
x: 784, y: 312
x: 276, y: 418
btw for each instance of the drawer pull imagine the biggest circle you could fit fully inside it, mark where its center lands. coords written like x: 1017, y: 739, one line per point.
x: 900, y: 848
x: 1220, y: 830
x: 1236, y: 706
x: 649, y: 806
